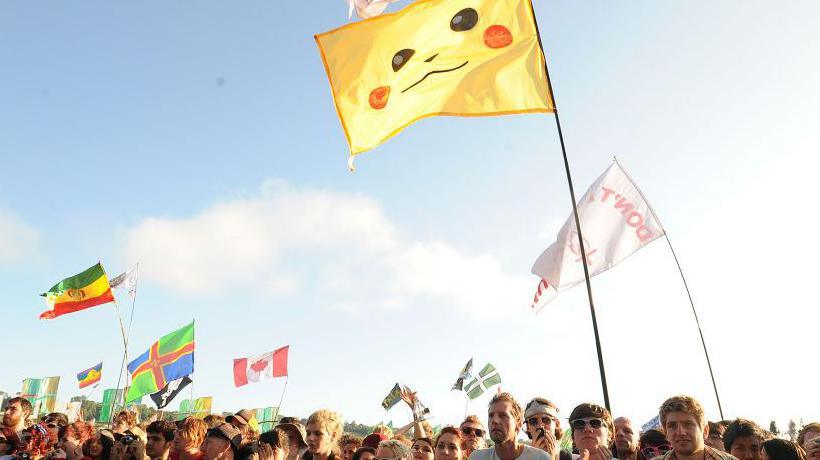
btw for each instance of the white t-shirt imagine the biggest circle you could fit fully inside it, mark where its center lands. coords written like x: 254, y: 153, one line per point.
x: 529, y: 453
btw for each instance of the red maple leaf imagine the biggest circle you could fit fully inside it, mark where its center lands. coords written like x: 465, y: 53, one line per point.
x: 259, y: 366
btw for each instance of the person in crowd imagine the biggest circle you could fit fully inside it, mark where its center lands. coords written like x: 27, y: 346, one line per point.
x: 296, y: 437
x: 809, y: 439
x: 365, y: 453
x: 715, y: 438
x: 473, y: 433
x: 653, y: 444
x: 324, y: 428
x: 743, y: 439
x: 780, y: 449
x: 221, y: 442
x: 72, y: 437
x: 627, y: 440
x: 129, y: 445
x: 8, y: 441
x: 244, y: 421
x: 54, y: 422
x: 213, y: 420
x: 188, y: 437
x: 124, y: 421
x: 592, y: 431
x: 403, y: 439
x: 274, y: 444
x: 98, y: 447
x: 383, y: 429
x: 686, y: 429
x: 373, y: 439
x: 448, y: 444
x: 543, y: 427
x: 160, y: 439
x: 18, y: 410
x: 391, y: 449
x: 422, y: 449
x: 505, y: 419
x: 348, y: 444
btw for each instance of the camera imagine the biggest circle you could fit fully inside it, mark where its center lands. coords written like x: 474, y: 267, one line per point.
x: 540, y: 433
x: 127, y: 439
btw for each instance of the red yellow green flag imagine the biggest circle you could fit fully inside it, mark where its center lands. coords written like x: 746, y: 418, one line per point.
x: 88, y: 289
x: 435, y: 57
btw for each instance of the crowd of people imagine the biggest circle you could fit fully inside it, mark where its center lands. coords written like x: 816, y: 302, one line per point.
x: 684, y: 434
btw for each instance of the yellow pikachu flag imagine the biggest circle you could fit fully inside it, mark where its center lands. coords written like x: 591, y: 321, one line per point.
x: 435, y: 57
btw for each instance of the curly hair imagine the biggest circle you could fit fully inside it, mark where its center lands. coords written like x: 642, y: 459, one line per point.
x: 682, y: 403
x: 193, y: 430
x: 348, y: 438
x: 328, y: 420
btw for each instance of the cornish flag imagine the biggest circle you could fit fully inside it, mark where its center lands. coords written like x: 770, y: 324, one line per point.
x: 266, y: 366
x: 487, y: 377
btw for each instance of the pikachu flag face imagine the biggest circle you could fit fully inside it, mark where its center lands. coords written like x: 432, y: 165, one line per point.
x: 435, y: 57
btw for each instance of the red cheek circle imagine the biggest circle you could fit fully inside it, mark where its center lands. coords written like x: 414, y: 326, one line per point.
x: 378, y: 97
x: 497, y: 36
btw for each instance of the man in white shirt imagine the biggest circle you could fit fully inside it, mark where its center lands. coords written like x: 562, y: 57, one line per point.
x: 505, y: 418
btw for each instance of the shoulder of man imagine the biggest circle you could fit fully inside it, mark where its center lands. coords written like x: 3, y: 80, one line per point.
x: 714, y: 454
x: 482, y: 454
x: 534, y: 453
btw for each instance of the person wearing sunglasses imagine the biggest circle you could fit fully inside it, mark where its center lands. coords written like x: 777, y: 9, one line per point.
x: 505, y: 418
x: 626, y: 440
x: 653, y: 444
x: 543, y: 427
x: 472, y: 432
x: 686, y: 429
x: 592, y: 431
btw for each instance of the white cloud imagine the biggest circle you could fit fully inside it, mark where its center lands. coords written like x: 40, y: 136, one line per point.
x: 18, y: 240
x: 287, y: 241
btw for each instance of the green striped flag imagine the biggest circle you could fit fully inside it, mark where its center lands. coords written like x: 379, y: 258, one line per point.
x: 487, y: 378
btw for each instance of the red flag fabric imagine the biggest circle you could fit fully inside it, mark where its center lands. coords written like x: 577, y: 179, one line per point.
x: 263, y: 367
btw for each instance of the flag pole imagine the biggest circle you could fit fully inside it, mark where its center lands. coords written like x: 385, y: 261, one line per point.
x: 282, y: 396
x: 466, y: 404
x: 685, y: 285
x: 124, y: 360
x: 575, y: 213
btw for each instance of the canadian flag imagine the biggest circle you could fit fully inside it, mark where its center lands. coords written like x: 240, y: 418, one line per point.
x: 616, y: 221
x: 266, y: 366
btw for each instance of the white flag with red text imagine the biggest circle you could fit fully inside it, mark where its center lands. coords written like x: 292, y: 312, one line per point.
x: 616, y: 221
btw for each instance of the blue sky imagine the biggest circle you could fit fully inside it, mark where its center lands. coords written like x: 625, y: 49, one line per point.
x: 200, y: 139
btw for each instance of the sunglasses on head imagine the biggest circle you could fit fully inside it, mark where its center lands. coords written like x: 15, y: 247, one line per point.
x: 545, y: 420
x: 469, y: 431
x: 580, y: 424
x: 649, y: 452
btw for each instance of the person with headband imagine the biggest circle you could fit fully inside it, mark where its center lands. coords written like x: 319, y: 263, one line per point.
x: 543, y: 427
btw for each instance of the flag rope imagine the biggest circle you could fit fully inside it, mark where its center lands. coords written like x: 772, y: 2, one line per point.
x: 575, y: 213
x: 124, y: 359
x: 685, y: 285
x: 282, y: 396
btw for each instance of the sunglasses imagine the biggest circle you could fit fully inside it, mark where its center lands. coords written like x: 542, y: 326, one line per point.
x: 650, y: 452
x: 580, y: 424
x: 469, y: 431
x: 545, y: 420
x: 53, y: 425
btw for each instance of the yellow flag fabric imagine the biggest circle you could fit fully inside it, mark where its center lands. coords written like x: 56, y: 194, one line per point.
x: 434, y: 57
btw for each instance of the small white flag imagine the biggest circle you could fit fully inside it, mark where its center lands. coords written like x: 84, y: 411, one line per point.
x: 367, y: 8
x: 127, y: 280
x: 616, y: 221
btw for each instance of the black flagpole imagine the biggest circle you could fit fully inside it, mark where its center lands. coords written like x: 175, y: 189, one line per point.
x: 575, y: 213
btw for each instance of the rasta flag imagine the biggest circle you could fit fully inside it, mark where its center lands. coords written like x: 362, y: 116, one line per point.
x: 88, y: 289
x: 435, y: 57
x: 169, y: 358
x: 90, y: 376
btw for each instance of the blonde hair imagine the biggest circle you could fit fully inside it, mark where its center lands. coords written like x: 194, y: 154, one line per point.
x: 383, y: 429
x: 401, y: 451
x: 682, y: 403
x: 193, y: 429
x: 329, y: 420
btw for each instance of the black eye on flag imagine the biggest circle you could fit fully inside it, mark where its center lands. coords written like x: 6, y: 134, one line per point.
x: 164, y: 396
x: 465, y: 374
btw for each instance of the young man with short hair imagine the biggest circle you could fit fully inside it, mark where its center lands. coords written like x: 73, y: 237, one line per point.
x: 473, y: 432
x: 222, y: 442
x: 18, y: 411
x: 505, y: 419
x: 160, y: 438
x: 684, y: 424
x: 743, y: 439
